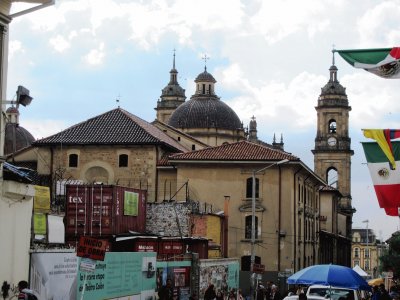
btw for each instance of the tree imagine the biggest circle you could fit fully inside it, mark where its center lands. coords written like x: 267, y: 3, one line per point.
x: 391, y: 260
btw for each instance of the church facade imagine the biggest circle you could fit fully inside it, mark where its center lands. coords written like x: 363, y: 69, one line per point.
x: 198, y: 150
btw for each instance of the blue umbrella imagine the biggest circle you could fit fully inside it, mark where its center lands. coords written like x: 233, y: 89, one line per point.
x: 329, y: 275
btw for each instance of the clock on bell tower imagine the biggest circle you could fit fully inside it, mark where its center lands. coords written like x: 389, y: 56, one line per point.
x: 332, y: 153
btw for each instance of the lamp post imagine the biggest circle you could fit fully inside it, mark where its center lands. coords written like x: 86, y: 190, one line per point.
x: 366, y: 249
x: 253, y: 221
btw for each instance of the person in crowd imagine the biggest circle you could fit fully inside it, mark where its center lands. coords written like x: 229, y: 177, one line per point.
x: 376, y: 294
x: 302, y: 296
x: 220, y: 295
x: 299, y: 290
x: 24, y: 292
x: 210, y: 294
x: 275, y: 295
x: 260, y: 292
x: 232, y: 295
x: 240, y: 295
x: 167, y: 291
x: 268, y: 289
x: 384, y: 293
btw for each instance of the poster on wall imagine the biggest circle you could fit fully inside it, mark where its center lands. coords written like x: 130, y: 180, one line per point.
x: 222, y: 273
x: 180, y: 280
x: 53, y: 275
x: 121, y: 274
x: 131, y: 203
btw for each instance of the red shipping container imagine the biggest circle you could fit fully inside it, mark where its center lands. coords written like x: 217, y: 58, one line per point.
x: 103, y: 210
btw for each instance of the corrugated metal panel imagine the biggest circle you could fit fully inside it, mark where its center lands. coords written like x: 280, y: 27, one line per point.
x: 98, y: 210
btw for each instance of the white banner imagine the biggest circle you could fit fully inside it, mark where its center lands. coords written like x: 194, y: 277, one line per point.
x: 53, y: 275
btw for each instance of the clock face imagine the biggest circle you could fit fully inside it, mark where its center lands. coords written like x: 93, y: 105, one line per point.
x: 331, y: 141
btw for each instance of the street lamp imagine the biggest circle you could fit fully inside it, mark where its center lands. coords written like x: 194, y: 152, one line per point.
x: 253, y: 220
x: 366, y: 249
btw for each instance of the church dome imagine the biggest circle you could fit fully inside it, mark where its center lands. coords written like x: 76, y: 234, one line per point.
x: 16, y: 138
x: 205, y: 77
x: 207, y: 112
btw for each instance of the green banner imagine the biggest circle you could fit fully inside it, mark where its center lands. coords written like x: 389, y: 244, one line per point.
x: 120, y: 274
x: 131, y: 202
x: 39, y: 224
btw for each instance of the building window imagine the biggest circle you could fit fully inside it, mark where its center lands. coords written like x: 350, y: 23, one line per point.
x: 73, y: 161
x: 356, y: 263
x: 123, y: 160
x: 249, y: 187
x: 332, y: 126
x: 356, y: 252
x: 248, y: 227
x: 366, y: 252
x: 366, y: 265
x: 193, y: 147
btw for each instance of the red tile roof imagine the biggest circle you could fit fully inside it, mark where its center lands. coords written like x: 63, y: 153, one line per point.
x: 239, y: 151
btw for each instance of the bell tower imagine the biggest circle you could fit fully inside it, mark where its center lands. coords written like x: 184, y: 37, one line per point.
x: 332, y: 152
x: 171, y: 96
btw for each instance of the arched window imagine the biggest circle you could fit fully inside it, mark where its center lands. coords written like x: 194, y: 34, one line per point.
x: 247, y: 233
x: 356, y: 252
x: 366, y: 265
x: 123, y: 160
x: 73, y: 160
x: 332, y: 177
x: 332, y: 126
x: 249, y: 187
x: 366, y: 252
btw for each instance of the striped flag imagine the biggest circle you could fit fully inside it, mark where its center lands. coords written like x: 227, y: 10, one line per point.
x: 384, y: 62
x: 386, y: 180
x: 383, y: 137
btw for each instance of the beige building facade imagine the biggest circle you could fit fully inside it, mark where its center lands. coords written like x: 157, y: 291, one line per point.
x: 287, y: 201
x: 365, y: 251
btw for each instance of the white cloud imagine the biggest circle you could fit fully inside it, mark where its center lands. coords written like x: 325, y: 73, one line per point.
x: 275, y: 101
x: 14, y: 47
x: 59, y: 43
x: 96, y: 56
x: 380, y: 25
x: 286, y: 17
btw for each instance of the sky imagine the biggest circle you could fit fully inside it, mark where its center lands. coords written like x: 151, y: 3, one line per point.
x: 83, y: 58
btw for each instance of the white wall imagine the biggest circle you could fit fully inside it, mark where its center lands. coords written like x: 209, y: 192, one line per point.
x: 15, y: 234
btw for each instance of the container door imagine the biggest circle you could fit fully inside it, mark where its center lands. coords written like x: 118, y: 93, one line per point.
x: 100, y: 218
x: 77, y: 201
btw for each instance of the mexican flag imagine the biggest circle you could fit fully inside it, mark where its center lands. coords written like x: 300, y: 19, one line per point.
x: 383, y: 137
x: 386, y: 180
x: 384, y: 62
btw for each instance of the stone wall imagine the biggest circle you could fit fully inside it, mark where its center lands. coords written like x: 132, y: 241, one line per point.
x: 163, y: 218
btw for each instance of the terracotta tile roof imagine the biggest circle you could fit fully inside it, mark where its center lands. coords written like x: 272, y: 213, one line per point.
x: 115, y: 127
x: 242, y: 151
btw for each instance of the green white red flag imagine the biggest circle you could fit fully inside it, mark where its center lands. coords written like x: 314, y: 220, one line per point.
x: 384, y: 62
x: 384, y: 139
x: 385, y: 179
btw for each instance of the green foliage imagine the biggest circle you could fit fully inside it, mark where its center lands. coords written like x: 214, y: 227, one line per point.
x: 391, y: 260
